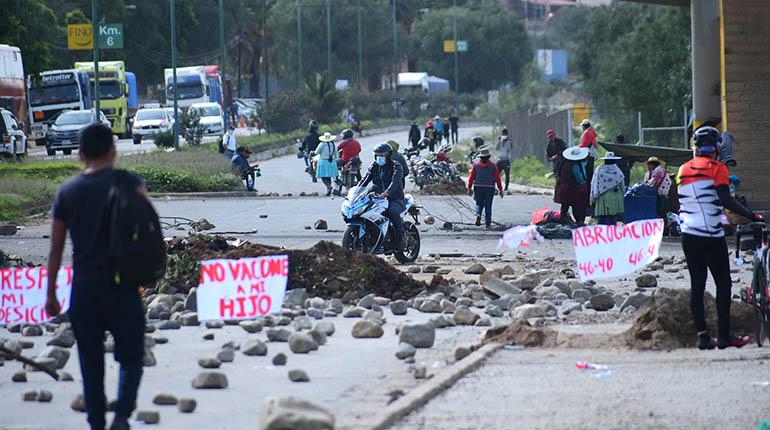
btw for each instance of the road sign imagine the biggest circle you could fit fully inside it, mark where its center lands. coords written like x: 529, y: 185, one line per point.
x: 111, y: 36
x: 462, y: 46
x: 449, y: 46
x: 79, y: 37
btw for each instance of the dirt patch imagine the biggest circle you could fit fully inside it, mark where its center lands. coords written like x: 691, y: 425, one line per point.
x: 443, y: 188
x: 665, y: 321
x: 521, y: 333
x: 326, y: 270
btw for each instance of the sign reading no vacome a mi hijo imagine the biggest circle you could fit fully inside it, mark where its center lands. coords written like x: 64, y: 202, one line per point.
x: 243, y: 288
x: 80, y: 36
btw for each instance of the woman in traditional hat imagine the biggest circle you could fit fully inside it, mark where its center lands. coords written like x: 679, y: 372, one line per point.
x: 657, y: 177
x: 572, y: 186
x: 607, y: 190
x: 327, y: 154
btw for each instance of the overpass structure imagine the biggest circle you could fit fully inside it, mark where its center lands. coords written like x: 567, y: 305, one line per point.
x: 731, y: 82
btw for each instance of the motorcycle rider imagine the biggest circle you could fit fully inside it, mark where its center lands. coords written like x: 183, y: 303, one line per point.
x: 349, y: 149
x: 386, y: 176
x: 414, y: 136
x: 309, y: 144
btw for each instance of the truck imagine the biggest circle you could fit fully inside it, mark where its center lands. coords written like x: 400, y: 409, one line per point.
x: 214, y: 85
x: 191, y: 86
x: 52, y: 92
x: 114, y: 92
x: 12, y: 89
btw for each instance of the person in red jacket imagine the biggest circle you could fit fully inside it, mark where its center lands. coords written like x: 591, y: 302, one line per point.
x: 349, y: 147
x: 588, y: 140
x: 481, y: 185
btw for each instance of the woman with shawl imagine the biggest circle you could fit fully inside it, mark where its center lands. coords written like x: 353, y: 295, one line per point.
x: 607, y: 190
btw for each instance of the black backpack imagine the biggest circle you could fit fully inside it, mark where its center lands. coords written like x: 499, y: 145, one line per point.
x: 136, y: 249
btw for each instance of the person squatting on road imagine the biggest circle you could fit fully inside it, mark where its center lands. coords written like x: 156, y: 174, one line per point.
x: 554, y: 150
x: 608, y: 189
x: 386, y: 176
x: 572, y: 185
x: 481, y: 185
x: 240, y: 163
x: 327, y: 154
x: 309, y: 143
x: 98, y: 303
x: 588, y: 140
x: 704, y: 190
x: 504, y: 150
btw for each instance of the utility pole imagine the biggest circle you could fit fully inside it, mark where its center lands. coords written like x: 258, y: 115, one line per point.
x: 329, y: 40
x: 299, y: 44
x: 264, y: 60
x: 173, y: 79
x: 95, y: 37
x: 457, y: 74
x: 395, y: 49
x: 360, y: 50
x: 222, y: 60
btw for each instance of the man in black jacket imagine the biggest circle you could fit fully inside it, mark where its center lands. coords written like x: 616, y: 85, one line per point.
x: 309, y: 144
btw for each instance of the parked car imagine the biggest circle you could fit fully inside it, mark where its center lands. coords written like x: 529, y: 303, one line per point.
x: 13, y: 141
x: 212, y: 121
x: 63, y: 135
x: 149, y: 122
x: 248, y: 108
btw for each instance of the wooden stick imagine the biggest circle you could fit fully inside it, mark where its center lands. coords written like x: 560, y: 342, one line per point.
x: 14, y: 356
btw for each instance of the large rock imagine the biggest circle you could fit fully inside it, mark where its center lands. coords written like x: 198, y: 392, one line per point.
x: 186, y: 405
x: 465, y: 316
x: 64, y: 339
x: 59, y: 354
x: 564, y: 287
x: 496, y: 287
x: 475, y: 269
x: 301, y: 343
x: 405, y: 350
x: 292, y: 413
x: 251, y: 326
x: 525, y: 312
x: 295, y: 297
x: 494, y: 310
x: 209, y: 363
x: 430, y: 306
x: 278, y: 334
x: 636, y: 300
x: 165, y: 399
x: 191, y: 302
x: 148, y: 417
x: 602, y: 302
x: 367, y: 329
x: 527, y: 282
x: 31, y: 331
x: 321, y: 225
x: 547, y: 292
x: 298, y: 375
x: 646, y: 280
x: 398, y: 307
x: 325, y: 327
x: 210, y: 380
x: 418, y: 335
x: 189, y: 319
x: 254, y: 347
x: 581, y: 295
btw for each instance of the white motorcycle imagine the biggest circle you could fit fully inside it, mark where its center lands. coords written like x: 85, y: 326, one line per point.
x: 369, y: 230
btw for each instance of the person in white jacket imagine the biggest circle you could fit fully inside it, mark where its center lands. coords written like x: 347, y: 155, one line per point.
x: 504, y: 150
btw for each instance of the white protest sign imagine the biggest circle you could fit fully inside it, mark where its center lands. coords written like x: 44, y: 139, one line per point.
x: 242, y: 289
x: 23, y: 293
x: 609, y: 251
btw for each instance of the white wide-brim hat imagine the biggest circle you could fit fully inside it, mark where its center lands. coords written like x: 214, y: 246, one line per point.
x: 327, y: 137
x: 575, y: 153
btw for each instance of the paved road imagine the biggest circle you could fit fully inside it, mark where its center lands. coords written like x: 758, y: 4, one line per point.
x: 124, y: 146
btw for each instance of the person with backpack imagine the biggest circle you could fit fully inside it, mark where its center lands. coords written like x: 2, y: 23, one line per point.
x: 117, y: 247
x: 327, y: 154
x: 481, y: 185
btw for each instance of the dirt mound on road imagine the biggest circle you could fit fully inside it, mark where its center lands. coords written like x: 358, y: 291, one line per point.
x: 443, y: 188
x: 521, y: 333
x: 665, y: 321
x: 326, y: 270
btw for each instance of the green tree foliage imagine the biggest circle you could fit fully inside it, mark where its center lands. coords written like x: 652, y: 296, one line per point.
x: 17, y: 29
x: 632, y: 58
x: 498, y: 46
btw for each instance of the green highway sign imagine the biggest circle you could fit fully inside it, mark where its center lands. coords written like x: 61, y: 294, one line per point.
x: 462, y: 46
x: 111, y: 36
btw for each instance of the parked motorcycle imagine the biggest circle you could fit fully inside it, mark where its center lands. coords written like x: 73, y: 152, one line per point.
x: 369, y: 231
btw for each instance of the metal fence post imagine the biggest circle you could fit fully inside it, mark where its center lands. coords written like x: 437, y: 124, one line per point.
x: 641, y: 130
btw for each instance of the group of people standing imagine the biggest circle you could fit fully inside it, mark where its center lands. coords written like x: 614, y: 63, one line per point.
x: 436, y: 130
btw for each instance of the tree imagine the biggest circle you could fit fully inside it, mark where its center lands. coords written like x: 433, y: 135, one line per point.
x: 498, y: 46
x: 30, y: 25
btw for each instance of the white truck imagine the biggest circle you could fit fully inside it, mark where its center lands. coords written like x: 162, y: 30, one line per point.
x: 53, y: 92
x: 191, y: 86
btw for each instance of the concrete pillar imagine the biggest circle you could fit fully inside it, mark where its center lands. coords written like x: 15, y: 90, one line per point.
x: 706, y: 80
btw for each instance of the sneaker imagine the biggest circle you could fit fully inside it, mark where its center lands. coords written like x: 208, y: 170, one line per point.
x: 705, y: 341
x: 120, y: 423
x: 478, y: 220
x: 736, y: 341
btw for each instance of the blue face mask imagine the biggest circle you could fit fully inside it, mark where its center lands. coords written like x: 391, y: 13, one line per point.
x: 380, y: 160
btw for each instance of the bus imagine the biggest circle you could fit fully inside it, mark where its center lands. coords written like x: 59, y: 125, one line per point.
x: 12, y: 89
x: 52, y: 92
x: 191, y: 86
x: 113, y: 92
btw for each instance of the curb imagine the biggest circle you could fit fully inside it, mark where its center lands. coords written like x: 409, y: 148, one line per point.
x: 423, y: 393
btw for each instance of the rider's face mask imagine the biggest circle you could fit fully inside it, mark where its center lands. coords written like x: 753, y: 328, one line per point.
x: 380, y: 160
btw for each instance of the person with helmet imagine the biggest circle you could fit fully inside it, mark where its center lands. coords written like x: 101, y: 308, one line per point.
x: 588, y: 140
x: 349, y: 147
x: 399, y: 158
x: 554, y: 150
x: 310, y: 143
x: 386, y: 176
x: 481, y: 185
x: 430, y: 134
x: 414, y: 136
x: 704, y: 190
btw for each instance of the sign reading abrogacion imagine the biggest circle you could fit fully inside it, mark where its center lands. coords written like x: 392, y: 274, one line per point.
x: 242, y: 289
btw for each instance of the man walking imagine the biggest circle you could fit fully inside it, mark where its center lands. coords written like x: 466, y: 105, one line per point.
x: 553, y: 151
x: 454, y: 124
x: 230, y: 144
x: 97, y: 304
x: 588, y: 140
x: 481, y: 185
x: 504, y: 150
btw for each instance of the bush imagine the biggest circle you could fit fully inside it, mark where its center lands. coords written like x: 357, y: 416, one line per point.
x: 166, y: 180
x: 290, y: 110
x: 191, y: 123
x: 164, y: 139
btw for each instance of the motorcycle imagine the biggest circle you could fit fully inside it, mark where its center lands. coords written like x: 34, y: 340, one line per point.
x: 350, y: 175
x: 309, y: 161
x: 423, y: 172
x: 369, y: 231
